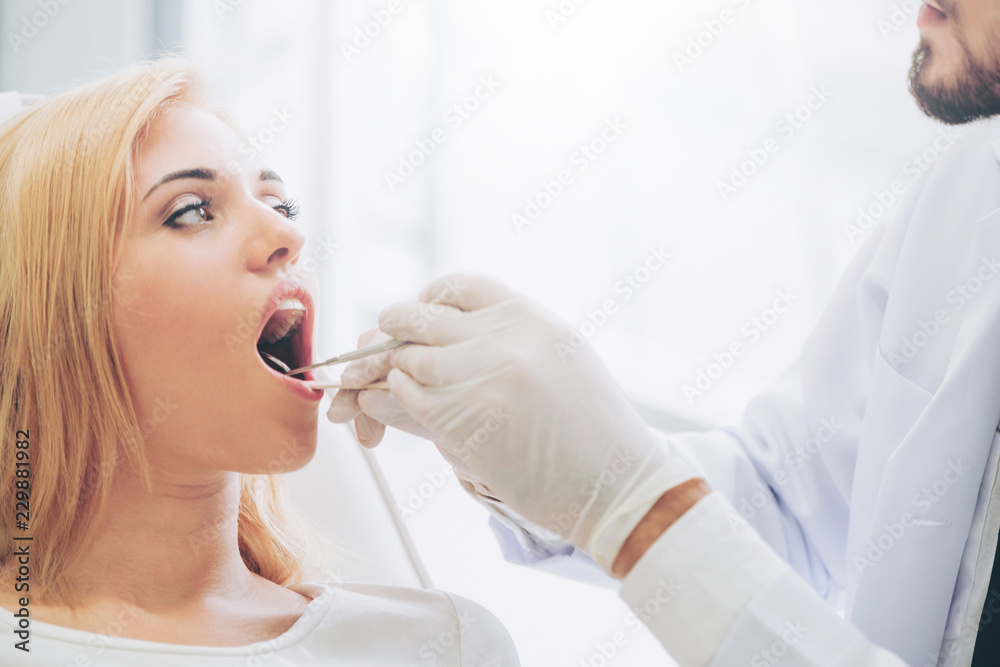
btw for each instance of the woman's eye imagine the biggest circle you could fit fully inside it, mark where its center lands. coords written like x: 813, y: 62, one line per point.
x: 288, y: 208
x: 192, y: 215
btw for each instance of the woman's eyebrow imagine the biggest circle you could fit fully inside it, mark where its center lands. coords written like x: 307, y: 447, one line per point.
x: 205, y: 174
x: 202, y: 173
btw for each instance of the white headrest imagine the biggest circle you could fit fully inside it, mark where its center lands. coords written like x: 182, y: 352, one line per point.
x: 12, y: 103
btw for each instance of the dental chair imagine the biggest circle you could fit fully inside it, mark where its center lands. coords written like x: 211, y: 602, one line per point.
x: 342, y: 491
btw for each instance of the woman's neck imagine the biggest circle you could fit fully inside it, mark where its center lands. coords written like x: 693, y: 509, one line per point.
x: 165, y: 567
x: 166, y: 550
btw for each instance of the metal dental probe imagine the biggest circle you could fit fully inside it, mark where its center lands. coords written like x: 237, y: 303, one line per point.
x: 342, y: 359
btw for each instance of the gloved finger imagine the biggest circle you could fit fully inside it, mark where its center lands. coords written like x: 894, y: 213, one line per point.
x: 434, y: 366
x: 460, y: 466
x: 370, y: 369
x: 365, y: 371
x: 432, y: 406
x: 380, y: 405
x: 369, y: 337
x: 369, y: 431
x: 409, y: 394
x: 467, y: 291
x: 481, y: 489
x: 427, y: 323
x: 344, y: 406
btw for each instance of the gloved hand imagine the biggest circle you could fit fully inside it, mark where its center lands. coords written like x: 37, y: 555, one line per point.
x: 521, y: 407
x: 372, y: 409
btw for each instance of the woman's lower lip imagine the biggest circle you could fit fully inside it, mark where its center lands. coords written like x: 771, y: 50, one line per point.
x: 930, y: 17
x: 296, y: 385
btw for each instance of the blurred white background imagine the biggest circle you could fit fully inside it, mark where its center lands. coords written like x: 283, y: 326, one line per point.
x: 688, y: 92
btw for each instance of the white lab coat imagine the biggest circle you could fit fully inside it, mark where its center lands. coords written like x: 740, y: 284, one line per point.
x: 870, y: 468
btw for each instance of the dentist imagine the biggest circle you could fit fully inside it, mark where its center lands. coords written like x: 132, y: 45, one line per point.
x: 866, y: 480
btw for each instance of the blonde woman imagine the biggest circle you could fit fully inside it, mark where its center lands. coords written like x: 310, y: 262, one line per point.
x: 133, y: 235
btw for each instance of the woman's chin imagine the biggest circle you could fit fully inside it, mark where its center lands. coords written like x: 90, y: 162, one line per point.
x: 267, y: 452
x: 295, y: 453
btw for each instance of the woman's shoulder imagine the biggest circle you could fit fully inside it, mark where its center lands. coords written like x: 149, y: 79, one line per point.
x: 434, y: 623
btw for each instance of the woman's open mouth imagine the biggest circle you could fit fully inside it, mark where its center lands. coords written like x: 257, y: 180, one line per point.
x: 286, y: 335
x: 280, y: 337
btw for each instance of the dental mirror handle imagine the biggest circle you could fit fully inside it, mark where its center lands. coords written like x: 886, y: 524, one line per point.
x: 352, y: 356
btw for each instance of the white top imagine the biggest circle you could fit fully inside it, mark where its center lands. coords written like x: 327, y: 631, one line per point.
x: 869, y: 473
x: 354, y: 625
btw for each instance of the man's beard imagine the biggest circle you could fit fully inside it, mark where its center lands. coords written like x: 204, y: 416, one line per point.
x: 974, y: 94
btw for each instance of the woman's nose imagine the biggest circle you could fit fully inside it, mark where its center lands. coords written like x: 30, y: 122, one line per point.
x: 275, y: 241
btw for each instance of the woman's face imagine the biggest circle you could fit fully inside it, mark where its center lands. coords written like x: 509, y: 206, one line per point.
x: 211, y: 253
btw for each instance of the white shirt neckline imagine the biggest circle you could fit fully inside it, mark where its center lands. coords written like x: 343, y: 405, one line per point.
x: 322, y: 598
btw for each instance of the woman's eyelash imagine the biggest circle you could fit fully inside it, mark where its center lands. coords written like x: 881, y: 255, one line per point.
x: 172, y: 220
x: 290, y: 207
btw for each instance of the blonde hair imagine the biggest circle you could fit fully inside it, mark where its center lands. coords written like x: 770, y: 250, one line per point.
x: 67, y: 168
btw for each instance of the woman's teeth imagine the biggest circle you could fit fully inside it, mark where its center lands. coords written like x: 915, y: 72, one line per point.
x: 286, y: 319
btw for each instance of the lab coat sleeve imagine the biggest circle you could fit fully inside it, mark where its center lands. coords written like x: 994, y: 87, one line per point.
x: 714, y: 593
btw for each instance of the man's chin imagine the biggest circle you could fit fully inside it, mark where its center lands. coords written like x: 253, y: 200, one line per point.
x: 931, y: 90
x: 954, y: 97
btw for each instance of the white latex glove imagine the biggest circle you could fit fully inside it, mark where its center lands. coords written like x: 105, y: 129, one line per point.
x: 524, y: 409
x: 372, y: 409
